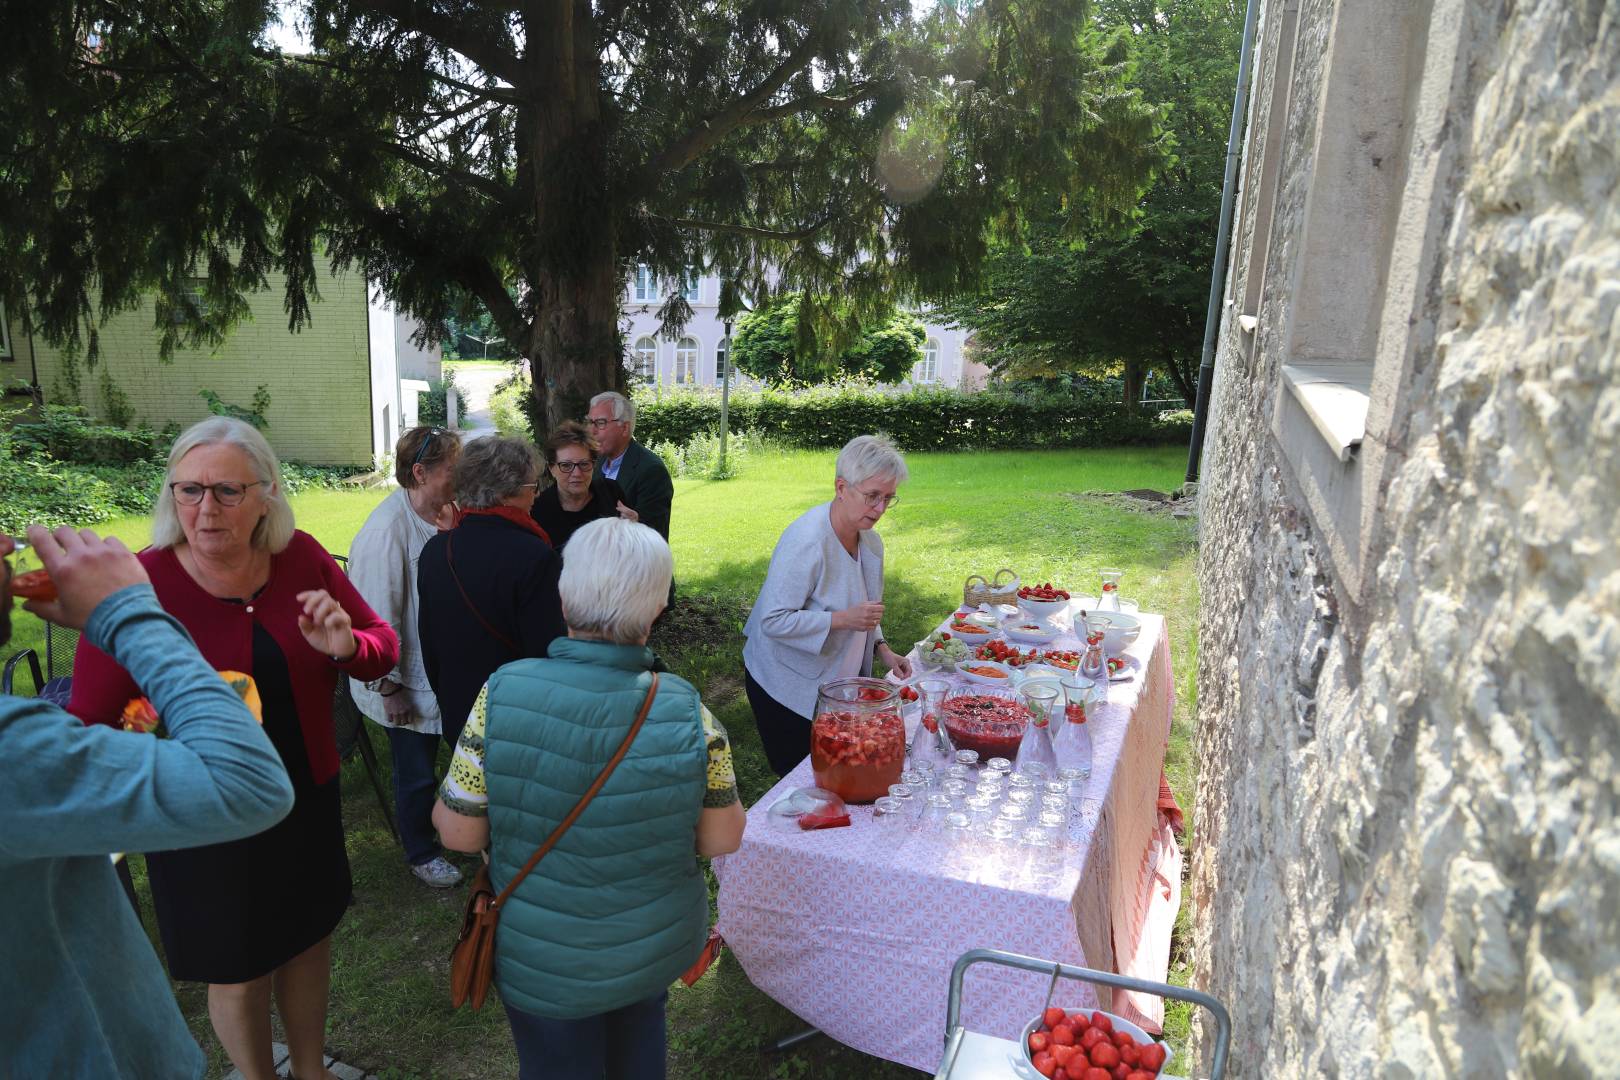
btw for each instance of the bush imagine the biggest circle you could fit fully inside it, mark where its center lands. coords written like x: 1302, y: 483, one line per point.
x: 430, y: 407
x: 918, y: 419
x: 68, y: 433
x: 700, y: 455
x: 507, y: 411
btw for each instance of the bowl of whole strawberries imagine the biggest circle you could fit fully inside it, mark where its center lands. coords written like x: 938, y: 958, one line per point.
x: 1091, y: 1046
x: 1042, y: 602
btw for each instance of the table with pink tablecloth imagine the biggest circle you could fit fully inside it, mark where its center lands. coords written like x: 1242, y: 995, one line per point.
x: 856, y: 933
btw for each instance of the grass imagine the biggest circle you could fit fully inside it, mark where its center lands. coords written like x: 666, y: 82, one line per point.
x: 958, y: 514
x: 491, y: 364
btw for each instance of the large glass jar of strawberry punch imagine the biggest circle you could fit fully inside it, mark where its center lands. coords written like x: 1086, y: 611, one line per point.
x: 857, y: 739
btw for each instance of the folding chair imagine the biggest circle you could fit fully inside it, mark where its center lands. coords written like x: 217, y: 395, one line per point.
x: 349, y: 725
x: 53, y: 682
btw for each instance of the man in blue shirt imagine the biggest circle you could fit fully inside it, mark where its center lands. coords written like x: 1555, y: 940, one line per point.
x: 84, y: 993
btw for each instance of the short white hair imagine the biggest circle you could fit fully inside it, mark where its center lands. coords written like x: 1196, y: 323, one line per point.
x: 615, y: 579
x: 275, y: 530
x: 867, y: 456
x: 623, y: 407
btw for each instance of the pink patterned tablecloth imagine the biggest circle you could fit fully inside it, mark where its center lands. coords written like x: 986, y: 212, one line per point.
x: 856, y: 932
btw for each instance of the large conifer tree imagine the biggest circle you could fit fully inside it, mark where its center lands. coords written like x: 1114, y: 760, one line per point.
x: 524, y: 156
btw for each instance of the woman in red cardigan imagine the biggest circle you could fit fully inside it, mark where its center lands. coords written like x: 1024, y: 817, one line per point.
x: 254, y: 917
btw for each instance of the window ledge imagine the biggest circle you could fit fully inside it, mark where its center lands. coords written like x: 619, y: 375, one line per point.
x: 1334, y: 396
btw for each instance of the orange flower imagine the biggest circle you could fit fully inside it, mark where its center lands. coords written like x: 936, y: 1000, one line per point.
x: 140, y: 716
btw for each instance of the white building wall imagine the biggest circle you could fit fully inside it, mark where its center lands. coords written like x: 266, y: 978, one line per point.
x: 954, y: 369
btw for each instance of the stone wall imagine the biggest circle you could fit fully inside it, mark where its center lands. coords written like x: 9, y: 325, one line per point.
x: 1407, y: 861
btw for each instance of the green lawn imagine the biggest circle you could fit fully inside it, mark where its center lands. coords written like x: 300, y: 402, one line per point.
x: 958, y: 514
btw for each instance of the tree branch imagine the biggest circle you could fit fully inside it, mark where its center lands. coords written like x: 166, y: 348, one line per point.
x: 485, y: 184
x: 863, y: 94
x: 486, y: 93
x: 483, y: 50
x: 750, y: 230
x: 680, y: 153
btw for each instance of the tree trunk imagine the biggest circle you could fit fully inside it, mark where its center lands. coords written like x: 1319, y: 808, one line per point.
x: 1185, y: 375
x: 1135, y: 377
x: 573, y: 349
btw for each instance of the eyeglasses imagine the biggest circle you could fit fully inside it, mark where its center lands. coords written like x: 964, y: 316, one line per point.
x: 226, y: 494
x: 598, y: 423
x: 572, y: 466
x: 433, y: 433
x: 877, y: 498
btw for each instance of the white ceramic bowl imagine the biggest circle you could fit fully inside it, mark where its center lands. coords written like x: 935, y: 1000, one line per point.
x: 1042, y: 671
x: 1020, y: 630
x: 1004, y: 680
x: 1122, y: 631
x: 1042, y: 610
x: 1120, y: 1024
x: 931, y: 661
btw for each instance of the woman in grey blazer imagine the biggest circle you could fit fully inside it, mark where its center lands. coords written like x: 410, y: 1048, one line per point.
x: 818, y: 614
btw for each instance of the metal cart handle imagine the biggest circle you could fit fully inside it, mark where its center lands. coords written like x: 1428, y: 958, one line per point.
x: 953, y: 1010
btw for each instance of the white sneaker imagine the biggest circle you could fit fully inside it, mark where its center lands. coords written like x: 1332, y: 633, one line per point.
x: 437, y: 873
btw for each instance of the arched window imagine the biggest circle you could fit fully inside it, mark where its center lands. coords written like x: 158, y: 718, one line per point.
x: 644, y: 360
x: 928, y: 370
x: 686, y: 354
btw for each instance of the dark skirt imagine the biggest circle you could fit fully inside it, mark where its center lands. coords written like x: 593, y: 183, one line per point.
x: 233, y: 912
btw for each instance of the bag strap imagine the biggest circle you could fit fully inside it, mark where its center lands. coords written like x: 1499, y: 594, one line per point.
x: 584, y: 800
x: 449, y: 559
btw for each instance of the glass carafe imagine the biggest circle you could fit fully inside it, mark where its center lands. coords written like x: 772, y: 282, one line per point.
x: 1072, y: 745
x: 857, y: 740
x: 1035, y: 756
x: 1093, y: 661
x: 1108, y: 599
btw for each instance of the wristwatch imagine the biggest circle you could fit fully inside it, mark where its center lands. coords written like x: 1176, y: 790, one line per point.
x: 376, y: 686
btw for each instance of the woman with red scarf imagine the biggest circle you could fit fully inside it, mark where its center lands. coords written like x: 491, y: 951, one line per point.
x: 487, y: 589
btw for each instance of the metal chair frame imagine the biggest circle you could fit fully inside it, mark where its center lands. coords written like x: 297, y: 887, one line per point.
x: 955, y: 1032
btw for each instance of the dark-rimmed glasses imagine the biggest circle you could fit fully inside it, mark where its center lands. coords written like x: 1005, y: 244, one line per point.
x: 597, y: 423
x: 188, y: 493
x: 572, y: 466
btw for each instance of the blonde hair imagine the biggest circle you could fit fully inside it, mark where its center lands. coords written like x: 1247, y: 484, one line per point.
x: 615, y: 579
x: 275, y: 530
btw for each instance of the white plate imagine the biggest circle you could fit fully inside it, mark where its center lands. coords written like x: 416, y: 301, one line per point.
x: 1016, y: 631
x: 986, y: 680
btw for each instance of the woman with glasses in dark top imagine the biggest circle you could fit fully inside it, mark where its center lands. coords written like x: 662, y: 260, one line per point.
x: 577, y: 495
x: 253, y: 918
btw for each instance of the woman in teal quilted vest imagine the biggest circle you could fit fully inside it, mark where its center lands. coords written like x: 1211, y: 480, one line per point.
x: 590, y: 941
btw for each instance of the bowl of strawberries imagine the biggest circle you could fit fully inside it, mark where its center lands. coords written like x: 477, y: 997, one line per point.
x: 1042, y: 602
x: 1092, y: 1046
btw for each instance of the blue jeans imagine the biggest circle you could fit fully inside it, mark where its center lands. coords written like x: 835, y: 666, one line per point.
x: 415, y: 788
x: 625, y: 1044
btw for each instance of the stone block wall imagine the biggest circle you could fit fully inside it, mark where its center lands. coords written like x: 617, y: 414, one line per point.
x: 1407, y: 860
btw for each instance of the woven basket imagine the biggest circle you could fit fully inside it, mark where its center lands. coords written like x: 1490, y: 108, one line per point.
x: 990, y: 592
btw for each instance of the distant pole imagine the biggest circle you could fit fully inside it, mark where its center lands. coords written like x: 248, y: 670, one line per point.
x: 725, y: 394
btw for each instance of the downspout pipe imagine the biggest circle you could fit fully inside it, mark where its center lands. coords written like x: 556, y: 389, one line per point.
x: 1223, y: 242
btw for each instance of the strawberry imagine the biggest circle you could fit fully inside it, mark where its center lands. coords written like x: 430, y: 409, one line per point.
x: 1139, y: 1075
x: 1131, y: 1054
x: 1104, y: 1055
x: 1120, y: 1071
x: 1063, y: 1054
x: 1038, y: 1041
x: 1101, y: 1020
x: 1152, y: 1056
x: 1063, y: 1035
x: 1091, y: 1038
x: 1095, y: 1073
x: 1122, y: 1039
x: 1044, y: 1063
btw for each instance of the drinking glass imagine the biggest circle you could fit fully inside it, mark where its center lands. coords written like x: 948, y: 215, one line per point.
x: 936, y: 807
x: 970, y: 758
x: 889, y: 815
x: 961, y: 845
x: 956, y: 791
x: 998, y: 764
x: 907, y: 799
x: 915, y: 779
x: 1037, y: 857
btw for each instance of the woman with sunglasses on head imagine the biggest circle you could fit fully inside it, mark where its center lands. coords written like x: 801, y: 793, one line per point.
x: 382, y: 565
x: 253, y: 918
x: 578, y: 494
x: 818, y: 613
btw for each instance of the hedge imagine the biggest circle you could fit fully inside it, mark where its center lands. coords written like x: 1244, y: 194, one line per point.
x: 920, y: 419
